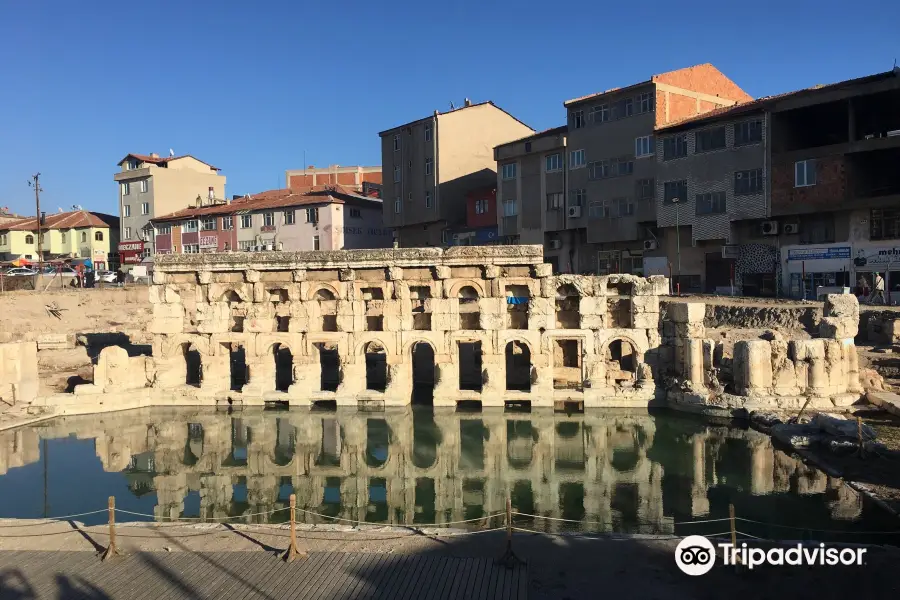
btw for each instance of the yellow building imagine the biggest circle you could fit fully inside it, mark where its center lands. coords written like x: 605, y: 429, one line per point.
x: 76, y: 234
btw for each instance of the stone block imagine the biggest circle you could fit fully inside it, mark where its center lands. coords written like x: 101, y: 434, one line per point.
x: 492, y: 272
x: 841, y: 305
x: 204, y: 277
x: 645, y: 320
x: 752, y: 366
x: 251, y: 276
x: 55, y: 341
x: 689, y: 330
x: 888, y: 401
x: 167, y: 319
x: 347, y: 275
x: 660, y: 285
x: 644, y: 304
x: 442, y: 272
x: 543, y: 270
x: 839, y: 328
x: 394, y: 273
x: 298, y: 275
x: 686, y: 312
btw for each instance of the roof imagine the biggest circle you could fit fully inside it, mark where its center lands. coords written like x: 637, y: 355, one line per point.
x: 162, y: 160
x: 457, y: 109
x: 66, y: 220
x: 727, y: 112
x: 283, y: 198
x: 539, y: 134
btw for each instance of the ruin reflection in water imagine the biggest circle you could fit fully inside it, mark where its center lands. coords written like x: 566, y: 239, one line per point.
x: 626, y: 471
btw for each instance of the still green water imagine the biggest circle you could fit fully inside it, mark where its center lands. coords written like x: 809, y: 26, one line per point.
x: 604, y: 471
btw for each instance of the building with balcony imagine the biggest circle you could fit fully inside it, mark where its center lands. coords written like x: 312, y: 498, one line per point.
x: 531, y: 184
x: 151, y: 186
x: 73, y: 234
x: 480, y: 228
x: 322, y: 218
x: 351, y: 178
x: 611, y: 163
x: 431, y: 165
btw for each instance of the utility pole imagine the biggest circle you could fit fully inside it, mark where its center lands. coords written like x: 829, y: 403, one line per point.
x: 36, y: 184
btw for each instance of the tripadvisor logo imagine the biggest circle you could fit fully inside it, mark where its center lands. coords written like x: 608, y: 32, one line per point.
x: 696, y: 555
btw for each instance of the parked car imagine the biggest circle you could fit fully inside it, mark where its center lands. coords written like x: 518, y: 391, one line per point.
x: 63, y: 272
x: 20, y: 272
x: 106, y: 276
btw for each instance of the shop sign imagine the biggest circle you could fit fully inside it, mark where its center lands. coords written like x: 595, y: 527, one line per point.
x: 839, y: 252
x: 209, y: 241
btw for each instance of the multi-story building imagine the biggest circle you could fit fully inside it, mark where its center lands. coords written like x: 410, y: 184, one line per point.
x: 350, y: 178
x: 481, y: 220
x: 611, y: 168
x: 150, y: 186
x: 323, y: 218
x: 531, y: 183
x: 433, y: 163
x: 711, y: 173
x: 74, y: 234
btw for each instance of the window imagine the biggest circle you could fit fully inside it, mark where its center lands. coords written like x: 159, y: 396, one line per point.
x: 145, y: 185
x: 3, y: 239
x: 190, y: 249
x: 429, y: 165
x: 127, y: 234
x: 83, y: 237
x: 190, y: 226
x: 644, y: 146
x: 805, y: 173
x: 817, y: 229
x: 126, y: 210
x: 246, y: 221
x: 885, y: 224
x: 312, y: 215
x: 427, y: 199
x: 622, y: 166
x: 227, y: 222
x: 508, y: 171
x: 131, y: 165
x: 268, y: 219
x: 29, y: 239
x: 710, y: 203
x: 289, y: 217
x: 397, y: 205
x: 598, y: 209
x: 145, y: 208
x: 208, y: 224
x: 748, y: 132
x: 164, y: 230
x: 510, y: 208
x: 675, y: 147
x: 709, y: 139
x: 625, y: 206
x: 63, y: 235
x: 315, y: 242
x: 599, y: 169
x: 599, y: 113
x: 355, y: 213
x: 748, y: 182
x: 623, y: 108
x: 126, y: 188
x: 428, y: 131
x: 645, y: 189
x: 674, y: 191
x: 397, y: 174
x: 98, y: 236
x: 578, y: 119
x: 553, y: 162
x: 577, y: 197
x: 576, y: 159
x: 555, y: 201
x: 396, y: 142
x: 481, y: 206
x: 527, y: 146
x: 645, y: 103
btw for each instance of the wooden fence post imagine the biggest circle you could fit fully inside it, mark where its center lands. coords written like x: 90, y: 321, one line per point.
x: 111, y: 549
x: 293, y: 551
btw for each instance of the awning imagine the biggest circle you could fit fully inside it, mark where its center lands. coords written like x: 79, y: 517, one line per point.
x: 22, y: 262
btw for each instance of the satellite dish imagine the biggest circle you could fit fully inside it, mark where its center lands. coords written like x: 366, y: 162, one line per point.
x: 171, y: 152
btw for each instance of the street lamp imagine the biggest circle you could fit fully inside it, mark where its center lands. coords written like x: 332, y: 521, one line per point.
x: 675, y: 201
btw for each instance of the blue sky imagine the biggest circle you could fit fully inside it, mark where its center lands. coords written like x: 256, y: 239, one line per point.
x: 248, y: 86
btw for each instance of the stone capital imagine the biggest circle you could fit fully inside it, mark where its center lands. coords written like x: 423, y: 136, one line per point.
x: 251, y: 276
x: 299, y: 275
x: 442, y: 272
x: 394, y: 273
x: 347, y: 275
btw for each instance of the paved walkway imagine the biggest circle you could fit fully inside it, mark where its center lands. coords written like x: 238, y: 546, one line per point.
x: 64, y: 575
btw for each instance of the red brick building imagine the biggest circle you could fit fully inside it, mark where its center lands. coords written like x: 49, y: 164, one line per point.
x: 352, y: 177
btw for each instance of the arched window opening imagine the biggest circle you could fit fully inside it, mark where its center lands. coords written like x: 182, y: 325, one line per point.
x: 567, y: 301
x: 621, y: 363
x: 284, y: 367
x: 469, y: 315
x: 376, y: 367
x: 518, y: 366
x: 517, y: 306
x: 423, y: 373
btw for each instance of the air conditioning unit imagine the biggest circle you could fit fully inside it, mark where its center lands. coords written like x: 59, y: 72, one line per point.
x: 574, y: 212
x: 769, y: 227
x: 649, y: 244
x: 791, y: 228
x: 269, y: 247
x: 555, y: 244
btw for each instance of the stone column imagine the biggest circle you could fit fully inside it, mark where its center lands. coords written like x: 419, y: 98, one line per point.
x: 446, y: 386
x: 762, y: 467
x: 693, y: 363
x: 699, y: 500
x: 753, y: 367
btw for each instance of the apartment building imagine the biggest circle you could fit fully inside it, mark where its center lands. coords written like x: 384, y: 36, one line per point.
x: 350, y: 178
x: 73, y: 234
x: 612, y: 168
x: 433, y: 163
x: 322, y: 218
x: 531, y: 191
x: 150, y: 186
x: 480, y: 228
x: 711, y: 173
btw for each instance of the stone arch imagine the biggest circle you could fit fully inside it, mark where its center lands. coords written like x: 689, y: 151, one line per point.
x: 283, y: 357
x: 469, y: 310
x: 362, y: 346
x: 200, y: 342
x: 453, y: 292
x: 422, y: 366
x: 319, y: 287
x: 623, y: 357
x: 375, y: 353
x: 568, y: 299
x: 518, y: 355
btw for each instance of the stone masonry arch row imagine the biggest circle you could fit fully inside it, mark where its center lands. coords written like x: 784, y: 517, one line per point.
x: 319, y: 285
x: 478, y: 286
x: 201, y: 343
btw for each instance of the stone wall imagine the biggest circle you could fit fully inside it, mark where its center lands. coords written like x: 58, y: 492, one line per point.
x: 18, y: 373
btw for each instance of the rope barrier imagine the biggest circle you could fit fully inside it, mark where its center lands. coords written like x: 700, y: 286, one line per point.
x: 200, y: 519
x: 819, y: 530
x: 51, y: 520
x: 411, y: 525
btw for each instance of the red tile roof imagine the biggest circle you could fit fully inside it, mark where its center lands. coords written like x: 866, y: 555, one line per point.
x: 161, y: 160
x: 320, y: 194
x: 66, y: 220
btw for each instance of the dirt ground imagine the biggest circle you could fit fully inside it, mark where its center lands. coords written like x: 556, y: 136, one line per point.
x: 559, y: 567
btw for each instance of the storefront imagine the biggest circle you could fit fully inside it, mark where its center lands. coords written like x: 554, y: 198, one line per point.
x: 131, y: 253
x: 808, y: 268
x: 870, y: 258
